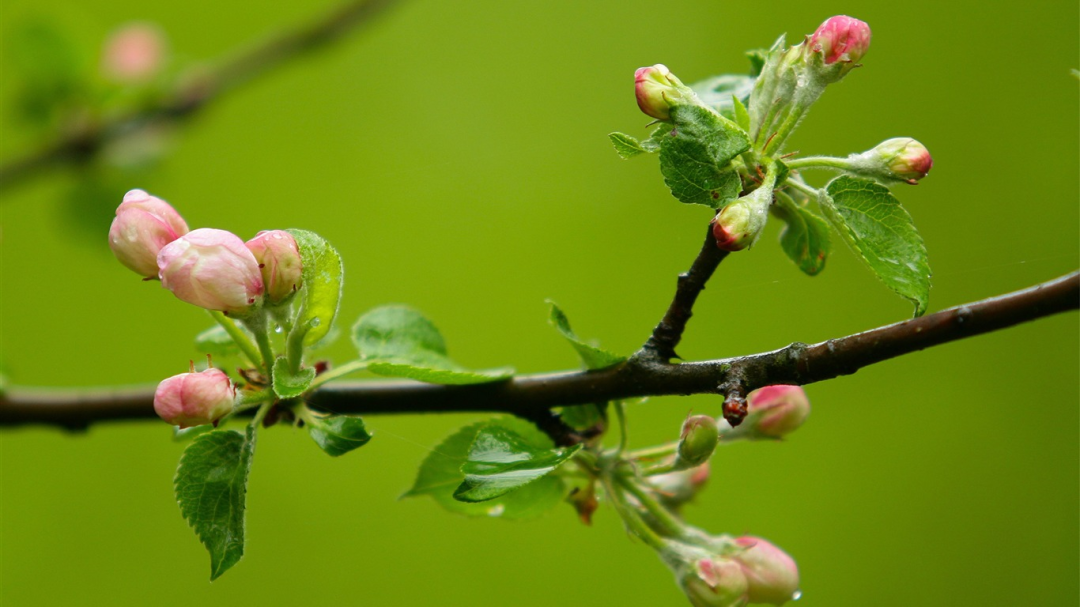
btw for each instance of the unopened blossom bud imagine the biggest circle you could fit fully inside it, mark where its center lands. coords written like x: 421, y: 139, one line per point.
x: 841, y: 38
x: 772, y: 576
x: 775, y: 411
x: 739, y: 224
x: 898, y: 159
x: 279, y: 259
x: 194, y: 399
x: 212, y: 269
x: 697, y: 441
x: 143, y: 225
x: 678, y: 488
x: 134, y: 53
x: 715, y: 582
x: 657, y: 89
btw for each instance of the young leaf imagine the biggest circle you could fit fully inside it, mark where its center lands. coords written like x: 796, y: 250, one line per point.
x: 322, y: 277
x: 717, y: 92
x: 440, y: 475
x: 695, y: 156
x: 338, y: 434
x: 656, y: 138
x: 216, y: 342
x: 211, y: 488
x: 742, y: 116
x: 583, y: 417
x: 805, y: 238
x: 722, y: 138
x: 591, y: 356
x: 288, y: 384
x: 501, y: 461
x: 398, y: 341
x: 625, y: 145
x: 881, y: 233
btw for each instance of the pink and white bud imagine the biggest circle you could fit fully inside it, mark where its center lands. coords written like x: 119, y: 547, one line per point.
x: 279, y: 259
x: 212, y: 269
x: 144, y: 224
x: 739, y: 224
x: 841, y: 38
x: 771, y: 575
x: 680, y: 487
x: 906, y: 159
x: 134, y: 53
x: 657, y: 89
x: 715, y: 582
x: 776, y: 411
x: 194, y: 399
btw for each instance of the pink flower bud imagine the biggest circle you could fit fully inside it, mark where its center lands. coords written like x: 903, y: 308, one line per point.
x: 194, y: 399
x: 775, y: 411
x: 133, y: 53
x: 739, y: 224
x: 657, y: 89
x: 678, y: 488
x: 715, y: 582
x: 772, y: 576
x: 697, y: 441
x: 212, y: 269
x: 841, y: 38
x: 906, y: 159
x: 143, y: 225
x: 279, y: 260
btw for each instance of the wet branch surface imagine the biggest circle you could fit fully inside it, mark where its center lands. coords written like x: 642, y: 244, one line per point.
x: 532, y: 396
x: 193, y: 94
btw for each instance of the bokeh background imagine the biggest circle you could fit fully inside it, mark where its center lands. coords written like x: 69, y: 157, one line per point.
x: 456, y: 155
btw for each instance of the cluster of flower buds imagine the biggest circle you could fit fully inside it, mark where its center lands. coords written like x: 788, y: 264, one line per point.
x: 773, y: 412
x: 898, y: 159
x: 134, y: 53
x: 194, y: 399
x: 732, y: 572
x: 210, y: 268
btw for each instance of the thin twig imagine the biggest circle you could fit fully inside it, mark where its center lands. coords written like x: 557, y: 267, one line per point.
x: 668, y: 333
x: 193, y: 94
x: 531, y: 396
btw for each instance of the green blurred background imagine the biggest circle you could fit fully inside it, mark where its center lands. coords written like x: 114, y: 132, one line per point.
x: 456, y: 155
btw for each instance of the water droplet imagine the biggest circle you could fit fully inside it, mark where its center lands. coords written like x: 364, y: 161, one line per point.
x: 277, y: 329
x: 797, y: 595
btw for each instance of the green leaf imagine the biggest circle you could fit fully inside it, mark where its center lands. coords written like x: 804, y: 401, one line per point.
x: 399, y: 341
x: 338, y: 434
x: 717, y: 92
x: 695, y: 157
x: 211, y: 488
x: 805, y: 238
x: 322, y: 276
x: 882, y: 234
x: 625, y: 145
x: 656, y: 138
x: 591, y: 356
x: 181, y: 435
x: 216, y: 342
x: 722, y: 138
x: 288, y: 384
x: 742, y: 116
x: 440, y: 475
x: 583, y: 417
x: 501, y: 461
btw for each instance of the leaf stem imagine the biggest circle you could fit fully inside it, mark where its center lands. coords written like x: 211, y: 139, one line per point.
x: 667, y: 521
x: 349, y: 367
x: 238, y: 336
x: 819, y: 162
x: 656, y: 452
x: 620, y: 414
x: 781, y: 135
x: 631, y: 518
x: 260, y: 328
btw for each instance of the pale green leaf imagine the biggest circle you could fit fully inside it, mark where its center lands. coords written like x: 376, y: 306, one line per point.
x: 625, y: 145
x: 501, y: 461
x: 322, y: 277
x: 288, y: 384
x: 591, y: 356
x: 338, y: 434
x: 805, y: 238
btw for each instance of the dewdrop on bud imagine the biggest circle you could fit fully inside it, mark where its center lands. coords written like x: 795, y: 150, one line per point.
x: 772, y: 576
x: 133, y: 53
x: 715, y: 582
x: 144, y: 224
x: 212, y: 269
x: 194, y: 399
x: 898, y: 159
x: 841, y: 39
x: 657, y: 89
x: 697, y: 441
x: 279, y: 259
x: 775, y: 411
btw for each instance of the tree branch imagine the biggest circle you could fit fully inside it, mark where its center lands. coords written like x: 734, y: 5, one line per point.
x: 191, y: 95
x: 531, y: 396
x: 668, y: 333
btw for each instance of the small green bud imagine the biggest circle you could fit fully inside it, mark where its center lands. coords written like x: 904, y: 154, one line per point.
x: 698, y: 440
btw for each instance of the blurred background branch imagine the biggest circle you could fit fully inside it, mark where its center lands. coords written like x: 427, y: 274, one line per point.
x: 81, y: 141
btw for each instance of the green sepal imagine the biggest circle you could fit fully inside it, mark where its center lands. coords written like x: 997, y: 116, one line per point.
x: 398, y: 341
x: 322, y: 277
x: 288, y: 384
x: 337, y: 434
x: 211, y: 488
x: 625, y: 145
x: 881, y: 233
x: 440, y: 475
x: 591, y: 356
x: 500, y: 461
x: 805, y: 238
